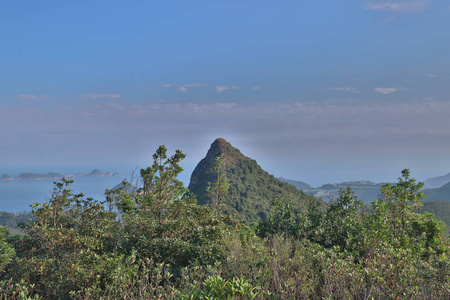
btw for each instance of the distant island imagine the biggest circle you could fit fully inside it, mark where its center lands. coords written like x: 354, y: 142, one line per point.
x: 52, y: 175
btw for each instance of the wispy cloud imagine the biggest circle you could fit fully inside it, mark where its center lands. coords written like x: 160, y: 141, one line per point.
x: 31, y: 97
x: 388, y: 90
x: 397, y: 6
x: 255, y: 88
x: 100, y: 96
x: 194, y: 84
x: 223, y: 88
x: 182, y: 87
x: 344, y: 89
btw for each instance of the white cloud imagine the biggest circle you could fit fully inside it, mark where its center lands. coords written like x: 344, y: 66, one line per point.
x: 194, y: 84
x: 255, y: 88
x: 397, y: 6
x: 31, y: 97
x: 431, y: 75
x: 223, y: 88
x: 344, y: 89
x: 182, y: 87
x: 100, y: 96
x: 387, y: 90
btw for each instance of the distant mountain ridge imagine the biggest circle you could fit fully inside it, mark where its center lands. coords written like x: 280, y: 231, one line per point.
x: 35, y: 176
x: 438, y: 194
x: 363, y: 189
x: 437, y: 182
x: 298, y: 184
x: 6, y: 177
x: 54, y: 176
x: 251, y: 188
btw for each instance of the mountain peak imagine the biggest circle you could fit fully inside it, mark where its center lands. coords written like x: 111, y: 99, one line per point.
x: 219, y: 147
x: 251, y: 188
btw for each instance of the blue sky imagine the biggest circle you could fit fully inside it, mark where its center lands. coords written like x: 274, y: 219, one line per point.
x: 318, y: 91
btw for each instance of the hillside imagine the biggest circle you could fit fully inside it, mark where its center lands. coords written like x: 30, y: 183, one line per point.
x: 437, y: 182
x: 440, y: 209
x: 298, y: 184
x: 251, y: 188
x: 438, y: 194
x: 364, y: 190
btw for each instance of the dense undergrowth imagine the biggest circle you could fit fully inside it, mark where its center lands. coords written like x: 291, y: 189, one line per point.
x: 157, y: 243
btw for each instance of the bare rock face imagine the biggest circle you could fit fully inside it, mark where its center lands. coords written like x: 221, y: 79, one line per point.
x: 251, y: 188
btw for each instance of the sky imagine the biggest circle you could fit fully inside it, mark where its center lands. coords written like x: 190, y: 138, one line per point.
x: 317, y: 91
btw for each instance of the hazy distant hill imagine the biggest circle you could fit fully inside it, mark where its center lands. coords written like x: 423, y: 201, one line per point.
x: 96, y: 173
x: 365, y: 190
x: 35, y: 176
x: 53, y: 175
x: 6, y: 177
x: 298, y: 184
x: 437, y: 182
x: 438, y: 194
x: 251, y: 188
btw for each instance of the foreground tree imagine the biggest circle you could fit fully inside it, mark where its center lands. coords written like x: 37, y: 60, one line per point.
x: 79, y: 245
x: 395, y: 222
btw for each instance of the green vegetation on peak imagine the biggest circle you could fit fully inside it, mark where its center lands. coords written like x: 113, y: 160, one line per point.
x: 251, y: 188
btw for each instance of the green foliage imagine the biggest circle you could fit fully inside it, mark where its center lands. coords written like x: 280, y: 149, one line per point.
x: 151, y: 240
x: 6, y: 251
x: 166, y: 223
x: 160, y: 185
x: 219, y: 188
x: 12, y: 220
x: 296, y: 268
x: 215, y: 287
x: 395, y: 222
x: 335, y: 226
x: 346, y: 226
x: 77, y: 246
x: 440, y: 210
x: 342, y: 221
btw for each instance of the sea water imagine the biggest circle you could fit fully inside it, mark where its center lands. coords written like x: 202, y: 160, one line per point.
x: 17, y: 195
